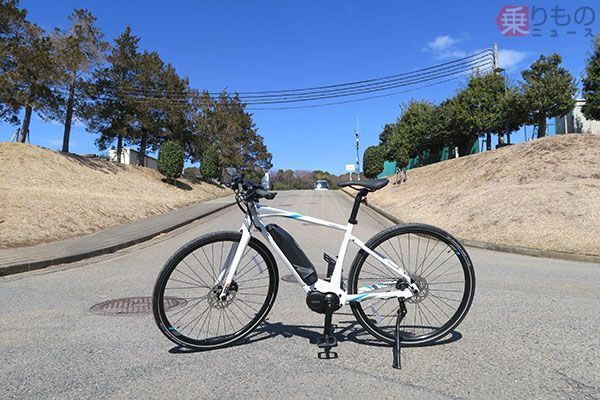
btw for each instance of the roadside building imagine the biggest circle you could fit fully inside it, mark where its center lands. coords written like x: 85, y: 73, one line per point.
x: 576, y: 122
x: 131, y: 157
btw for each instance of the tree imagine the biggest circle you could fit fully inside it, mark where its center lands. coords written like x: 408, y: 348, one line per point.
x: 487, y: 105
x: 110, y: 110
x: 170, y: 159
x: 478, y: 106
x: 27, y: 66
x: 373, y: 160
x: 147, y: 102
x: 80, y: 50
x: 210, y: 168
x: 513, y: 111
x: 12, y: 18
x: 224, y: 123
x: 591, y: 84
x: 12, y: 28
x: 162, y: 104
x: 392, y: 148
x: 417, y: 129
x: 457, y: 126
x: 549, y: 90
x: 302, y: 180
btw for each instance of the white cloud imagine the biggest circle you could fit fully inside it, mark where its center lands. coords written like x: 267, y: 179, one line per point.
x: 509, y: 59
x: 445, y: 46
x: 442, y: 43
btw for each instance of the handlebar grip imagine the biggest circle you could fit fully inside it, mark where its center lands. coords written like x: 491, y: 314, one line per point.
x: 260, y: 193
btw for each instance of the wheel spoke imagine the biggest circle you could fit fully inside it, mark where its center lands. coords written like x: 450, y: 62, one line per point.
x: 435, y: 267
x: 207, y: 319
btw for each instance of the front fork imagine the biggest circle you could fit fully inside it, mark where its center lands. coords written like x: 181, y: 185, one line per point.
x: 231, y: 265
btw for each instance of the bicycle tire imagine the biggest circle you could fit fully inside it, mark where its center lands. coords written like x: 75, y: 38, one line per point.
x: 373, y: 321
x: 198, y: 281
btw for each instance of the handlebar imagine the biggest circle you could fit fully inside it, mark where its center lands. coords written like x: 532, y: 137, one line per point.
x: 265, y: 194
x: 248, y: 191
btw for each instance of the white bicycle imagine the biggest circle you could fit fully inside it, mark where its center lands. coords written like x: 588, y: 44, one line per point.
x: 410, y: 284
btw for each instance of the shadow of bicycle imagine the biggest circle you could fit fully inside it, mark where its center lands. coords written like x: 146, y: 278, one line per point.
x: 345, y: 331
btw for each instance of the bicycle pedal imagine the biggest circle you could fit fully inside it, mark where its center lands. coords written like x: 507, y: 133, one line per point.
x: 326, y: 341
x: 327, y: 355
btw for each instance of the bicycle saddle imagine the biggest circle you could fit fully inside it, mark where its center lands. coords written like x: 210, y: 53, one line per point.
x: 371, y: 185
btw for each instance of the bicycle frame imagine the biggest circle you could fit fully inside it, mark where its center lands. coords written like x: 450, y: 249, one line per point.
x: 254, y: 217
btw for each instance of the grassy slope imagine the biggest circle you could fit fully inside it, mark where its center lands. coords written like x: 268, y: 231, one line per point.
x: 542, y: 194
x: 46, y: 195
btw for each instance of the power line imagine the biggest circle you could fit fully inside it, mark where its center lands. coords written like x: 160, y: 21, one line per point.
x: 464, y: 62
x: 483, y: 70
x: 346, y: 92
x: 481, y: 61
x: 363, y: 98
x: 377, y: 81
x: 371, y: 90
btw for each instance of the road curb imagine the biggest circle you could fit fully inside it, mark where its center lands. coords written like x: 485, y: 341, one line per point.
x: 19, y: 267
x: 526, y: 251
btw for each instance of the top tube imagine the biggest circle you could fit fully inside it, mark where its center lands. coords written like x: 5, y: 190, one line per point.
x: 266, y: 211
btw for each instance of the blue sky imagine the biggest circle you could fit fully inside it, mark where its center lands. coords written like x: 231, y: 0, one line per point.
x: 270, y: 45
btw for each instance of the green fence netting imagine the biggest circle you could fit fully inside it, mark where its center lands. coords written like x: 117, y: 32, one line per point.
x: 428, y: 157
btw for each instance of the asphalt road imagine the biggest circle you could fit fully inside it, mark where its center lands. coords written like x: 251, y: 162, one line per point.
x: 532, y: 332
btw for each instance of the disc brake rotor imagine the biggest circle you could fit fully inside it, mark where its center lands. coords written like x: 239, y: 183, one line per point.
x: 423, y: 289
x: 214, y: 299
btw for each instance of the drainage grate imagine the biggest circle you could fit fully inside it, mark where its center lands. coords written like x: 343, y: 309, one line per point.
x: 132, y: 305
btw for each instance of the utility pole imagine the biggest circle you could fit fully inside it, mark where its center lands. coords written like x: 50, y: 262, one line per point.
x: 495, y: 55
x: 356, y: 132
x: 499, y: 70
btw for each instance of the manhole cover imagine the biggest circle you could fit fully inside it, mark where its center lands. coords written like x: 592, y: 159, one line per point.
x: 132, y: 305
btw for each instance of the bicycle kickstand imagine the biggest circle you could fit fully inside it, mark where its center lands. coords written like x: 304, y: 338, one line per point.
x: 327, y: 341
x: 397, y: 364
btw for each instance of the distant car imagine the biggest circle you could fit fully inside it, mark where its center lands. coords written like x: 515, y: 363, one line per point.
x: 321, y: 185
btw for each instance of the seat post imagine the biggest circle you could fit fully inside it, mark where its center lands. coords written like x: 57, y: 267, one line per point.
x: 357, y: 200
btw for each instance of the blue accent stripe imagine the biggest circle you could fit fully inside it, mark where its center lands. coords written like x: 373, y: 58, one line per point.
x: 295, y: 216
x: 360, y: 296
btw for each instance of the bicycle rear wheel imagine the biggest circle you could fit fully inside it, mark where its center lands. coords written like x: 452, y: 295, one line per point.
x: 436, y: 262
x: 186, y: 303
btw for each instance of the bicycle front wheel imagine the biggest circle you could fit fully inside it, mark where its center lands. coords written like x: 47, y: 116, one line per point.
x: 186, y: 301
x: 436, y: 262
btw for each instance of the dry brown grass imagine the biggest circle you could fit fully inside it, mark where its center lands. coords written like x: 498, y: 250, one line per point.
x: 543, y: 194
x: 47, y: 196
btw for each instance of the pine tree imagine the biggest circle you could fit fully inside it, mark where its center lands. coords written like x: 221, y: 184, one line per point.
x: 110, y: 110
x: 80, y: 50
x: 27, y: 66
x: 224, y: 123
x: 162, y: 109
x: 591, y: 84
x: 12, y: 30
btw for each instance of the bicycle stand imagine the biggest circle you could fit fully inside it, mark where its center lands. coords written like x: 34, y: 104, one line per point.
x: 327, y: 341
x: 397, y: 364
